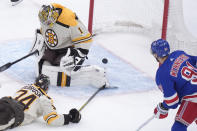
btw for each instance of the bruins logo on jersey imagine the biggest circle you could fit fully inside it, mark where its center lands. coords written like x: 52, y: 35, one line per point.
x: 51, y: 38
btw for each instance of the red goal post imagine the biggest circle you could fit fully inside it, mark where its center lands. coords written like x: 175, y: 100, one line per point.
x: 165, y: 19
x: 91, y: 12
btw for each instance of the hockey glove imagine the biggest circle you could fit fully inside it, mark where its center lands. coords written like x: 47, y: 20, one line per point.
x: 74, y: 115
x: 73, y: 59
x: 160, y: 112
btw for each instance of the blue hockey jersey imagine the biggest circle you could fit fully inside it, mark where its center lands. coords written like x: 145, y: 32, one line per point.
x: 177, y: 79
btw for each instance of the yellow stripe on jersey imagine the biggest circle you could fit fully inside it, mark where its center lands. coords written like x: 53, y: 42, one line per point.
x: 67, y: 16
x: 40, y: 89
x: 46, y: 116
x: 51, y: 117
x: 80, y: 38
x: 43, y: 92
x: 84, y: 39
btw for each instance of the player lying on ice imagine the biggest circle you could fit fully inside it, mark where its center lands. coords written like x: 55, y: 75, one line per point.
x: 176, y: 77
x: 63, y: 43
x: 31, y: 102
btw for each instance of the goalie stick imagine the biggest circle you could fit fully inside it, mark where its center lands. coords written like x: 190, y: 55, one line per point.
x: 9, y: 64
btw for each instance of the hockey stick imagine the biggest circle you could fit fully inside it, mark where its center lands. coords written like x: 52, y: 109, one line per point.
x: 9, y: 64
x: 99, y: 89
x: 145, y: 123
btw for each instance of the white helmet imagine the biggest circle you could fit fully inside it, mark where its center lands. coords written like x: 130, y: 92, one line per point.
x: 48, y: 15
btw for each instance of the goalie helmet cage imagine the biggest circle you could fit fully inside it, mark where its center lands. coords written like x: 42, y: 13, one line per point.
x: 154, y: 18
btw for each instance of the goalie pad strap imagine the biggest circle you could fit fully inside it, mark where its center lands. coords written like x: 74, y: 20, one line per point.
x: 63, y: 79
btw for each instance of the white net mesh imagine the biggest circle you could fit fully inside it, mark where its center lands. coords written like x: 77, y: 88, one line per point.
x: 144, y: 16
x: 126, y: 15
x: 178, y: 35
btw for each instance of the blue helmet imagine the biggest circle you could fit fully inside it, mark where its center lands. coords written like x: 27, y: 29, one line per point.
x: 160, y: 47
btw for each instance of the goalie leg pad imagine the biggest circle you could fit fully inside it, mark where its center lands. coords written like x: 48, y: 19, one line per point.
x: 57, y: 78
x: 89, y: 75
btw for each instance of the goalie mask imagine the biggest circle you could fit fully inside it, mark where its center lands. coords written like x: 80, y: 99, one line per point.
x: 48, y: 15
x: 43, y: 82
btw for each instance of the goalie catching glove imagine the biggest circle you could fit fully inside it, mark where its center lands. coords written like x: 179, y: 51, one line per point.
x: 160, y: 111
x: 72, y: 60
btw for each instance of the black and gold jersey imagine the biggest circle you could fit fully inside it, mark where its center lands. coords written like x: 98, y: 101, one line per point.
x: 37, y: 103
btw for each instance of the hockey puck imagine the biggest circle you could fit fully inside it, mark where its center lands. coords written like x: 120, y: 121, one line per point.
x: 104, y: 60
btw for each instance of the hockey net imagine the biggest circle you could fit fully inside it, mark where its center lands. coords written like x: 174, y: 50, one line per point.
x: 145, y: 17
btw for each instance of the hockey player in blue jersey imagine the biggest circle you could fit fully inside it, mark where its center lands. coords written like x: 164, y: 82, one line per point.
x: 176, y: 77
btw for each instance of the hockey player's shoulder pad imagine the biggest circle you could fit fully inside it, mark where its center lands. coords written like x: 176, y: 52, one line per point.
x: 67, y: 16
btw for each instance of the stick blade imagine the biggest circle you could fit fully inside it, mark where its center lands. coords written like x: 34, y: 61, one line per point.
x: 5, y: 67
x: 112, y: 87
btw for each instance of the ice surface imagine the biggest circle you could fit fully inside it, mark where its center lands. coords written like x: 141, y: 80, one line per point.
x: 130, y: 66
